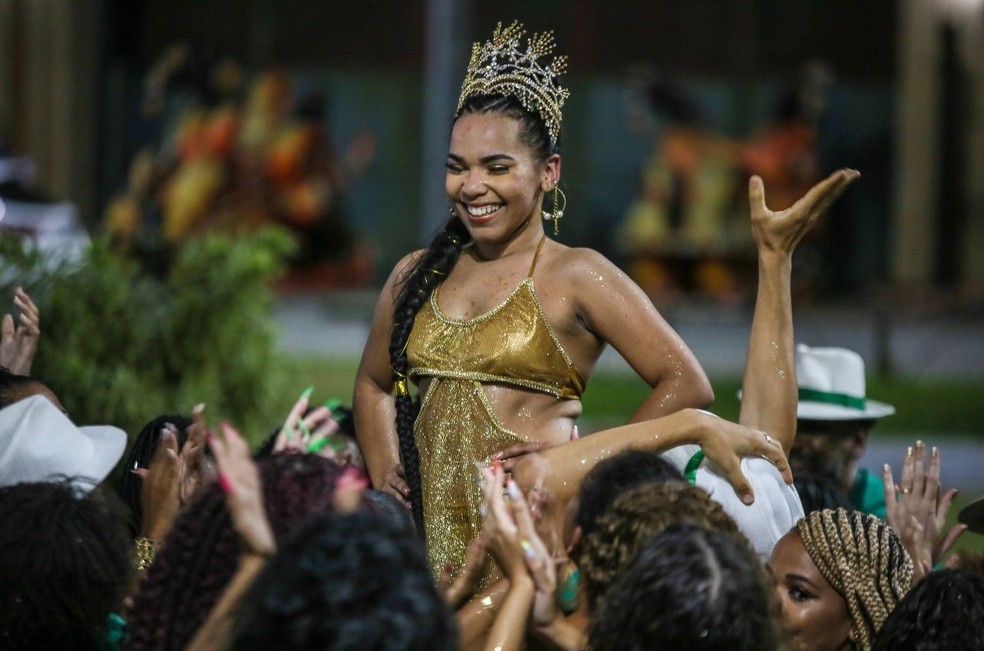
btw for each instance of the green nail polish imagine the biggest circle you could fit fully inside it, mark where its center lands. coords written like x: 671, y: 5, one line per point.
x: 307, y: 393
x: 317, y: 446
x: 333, y: 403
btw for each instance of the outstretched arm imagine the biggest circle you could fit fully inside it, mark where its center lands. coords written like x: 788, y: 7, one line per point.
x: 770, y: 390
x: 558, y: 471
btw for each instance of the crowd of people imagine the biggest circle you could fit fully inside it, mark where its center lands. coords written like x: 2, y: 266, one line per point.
x: 456, y: 506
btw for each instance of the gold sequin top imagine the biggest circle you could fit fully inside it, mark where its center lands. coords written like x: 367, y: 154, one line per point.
x: 457, y: 427
x: 512, y: 344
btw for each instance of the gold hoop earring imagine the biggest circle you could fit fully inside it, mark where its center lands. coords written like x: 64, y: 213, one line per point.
x: 559, y: 206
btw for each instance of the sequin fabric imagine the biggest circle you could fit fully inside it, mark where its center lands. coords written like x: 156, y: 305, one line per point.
x: 457, y: 427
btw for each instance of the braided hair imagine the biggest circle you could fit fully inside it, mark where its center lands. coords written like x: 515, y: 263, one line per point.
x: 863, y: 560
x: 429, y: 270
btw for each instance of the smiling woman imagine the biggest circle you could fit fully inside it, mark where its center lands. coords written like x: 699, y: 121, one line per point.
x: 838, y: 575
x: 498, y: 325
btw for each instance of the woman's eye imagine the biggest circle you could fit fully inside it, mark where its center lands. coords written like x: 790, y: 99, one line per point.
x: 454, y: 168
x: 799, y: 594
x: 498, y: 169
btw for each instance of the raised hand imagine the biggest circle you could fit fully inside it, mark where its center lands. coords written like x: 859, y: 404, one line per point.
x: 781, y: 231
x: 195, y: 469
x: 160, y: 498
x: 916, y: 508
x: 312, y: 433
x: 19, y: 343
x: 240, y: 481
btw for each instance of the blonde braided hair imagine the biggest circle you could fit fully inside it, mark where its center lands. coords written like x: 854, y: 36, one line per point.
x: 862, y: 559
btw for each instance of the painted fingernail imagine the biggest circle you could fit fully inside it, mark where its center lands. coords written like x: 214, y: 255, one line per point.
x: 225, y: 484
x: 919, y: 445
x: 513, y: 490
x: 199, y: 408
x: 332, y: 404
x: 887, y: 469
x: 908, y: 452
x: 935, y: 452
x: 306, y: 393
x: 528, y: 550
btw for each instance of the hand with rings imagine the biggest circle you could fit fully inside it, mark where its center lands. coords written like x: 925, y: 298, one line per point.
x: 917, y: 508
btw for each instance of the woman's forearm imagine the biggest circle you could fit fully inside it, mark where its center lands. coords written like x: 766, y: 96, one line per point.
x: 509, y: 631
x: 769, y: 393
x: 375, y: 417
x: 566, y: 465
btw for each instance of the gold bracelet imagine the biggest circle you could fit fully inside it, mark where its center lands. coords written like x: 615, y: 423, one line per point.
x: 145, y: 548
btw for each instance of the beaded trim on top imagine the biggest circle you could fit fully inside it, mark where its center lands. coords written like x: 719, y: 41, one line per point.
x: 502, y: 67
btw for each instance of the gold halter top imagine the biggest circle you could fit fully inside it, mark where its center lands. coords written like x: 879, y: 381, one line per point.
x: 457, y: 428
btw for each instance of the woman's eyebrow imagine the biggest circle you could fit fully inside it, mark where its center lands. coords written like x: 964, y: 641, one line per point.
x: 799, y: 577
x: 484, y: 160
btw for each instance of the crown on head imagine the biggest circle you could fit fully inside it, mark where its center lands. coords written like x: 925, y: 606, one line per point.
x: 502, y: 67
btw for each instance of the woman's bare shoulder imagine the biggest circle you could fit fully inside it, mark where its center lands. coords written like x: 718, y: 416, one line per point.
x: 582, y: 263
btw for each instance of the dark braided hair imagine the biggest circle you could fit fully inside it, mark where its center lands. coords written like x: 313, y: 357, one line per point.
x: 430, y: 269
x: 141, y: 453
x: 200, y: 554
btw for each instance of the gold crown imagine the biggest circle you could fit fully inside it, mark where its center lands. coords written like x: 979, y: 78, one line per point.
x: 502, y: 67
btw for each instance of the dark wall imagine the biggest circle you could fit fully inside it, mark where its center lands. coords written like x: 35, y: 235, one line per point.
x: 709, y: 37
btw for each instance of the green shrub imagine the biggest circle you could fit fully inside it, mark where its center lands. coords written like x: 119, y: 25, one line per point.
x: 120, y: 344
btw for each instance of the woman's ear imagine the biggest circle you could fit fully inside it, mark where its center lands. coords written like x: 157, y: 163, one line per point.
x: 551, y: 173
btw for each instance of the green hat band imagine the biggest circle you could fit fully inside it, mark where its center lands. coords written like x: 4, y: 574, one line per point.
x: 841, y: 399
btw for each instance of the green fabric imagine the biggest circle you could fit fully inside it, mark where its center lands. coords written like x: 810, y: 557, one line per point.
x: 831, y: 398
x: 690, y: 472
x: 868, y: 493
x: 115, y: 632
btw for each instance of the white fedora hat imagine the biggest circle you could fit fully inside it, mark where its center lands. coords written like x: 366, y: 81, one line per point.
x: 832, y: 387
x: 39, y: 443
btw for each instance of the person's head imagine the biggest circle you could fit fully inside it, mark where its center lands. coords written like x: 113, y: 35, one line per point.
x: 140, y: 456
x: 838, y: 574
x: 943, y: 612
x: 201, y: 551
x: 64, y: 565
x: 500, y: 164
x: 834, y: 414
x: 688, y: 588
x: 635, y: 516
x: 830, y: 448
x: 606, y: 481
x: 818, y: 492
x: 346, y: 581
x: 504, y: 155
x: 14, y: 387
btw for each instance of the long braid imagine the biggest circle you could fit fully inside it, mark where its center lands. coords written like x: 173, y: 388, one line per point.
x: 428, y: 272
x: 863, y: 560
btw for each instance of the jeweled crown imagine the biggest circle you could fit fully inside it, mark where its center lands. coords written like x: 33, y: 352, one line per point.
x: 503, y: 67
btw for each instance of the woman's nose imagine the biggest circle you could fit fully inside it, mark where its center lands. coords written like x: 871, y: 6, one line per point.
x: 474, y: 184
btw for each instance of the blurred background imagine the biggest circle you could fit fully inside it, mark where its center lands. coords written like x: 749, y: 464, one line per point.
x: 145, y: 128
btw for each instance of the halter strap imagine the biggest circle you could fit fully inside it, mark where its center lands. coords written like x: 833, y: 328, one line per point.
x: 536, y: 256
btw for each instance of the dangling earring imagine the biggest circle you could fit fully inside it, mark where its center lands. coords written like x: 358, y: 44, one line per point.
x: 558, y: 208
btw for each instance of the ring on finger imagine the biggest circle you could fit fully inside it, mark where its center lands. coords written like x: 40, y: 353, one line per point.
x: 906, y: 491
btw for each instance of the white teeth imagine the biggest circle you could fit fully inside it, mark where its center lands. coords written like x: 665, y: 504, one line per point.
x: 481, y: 211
